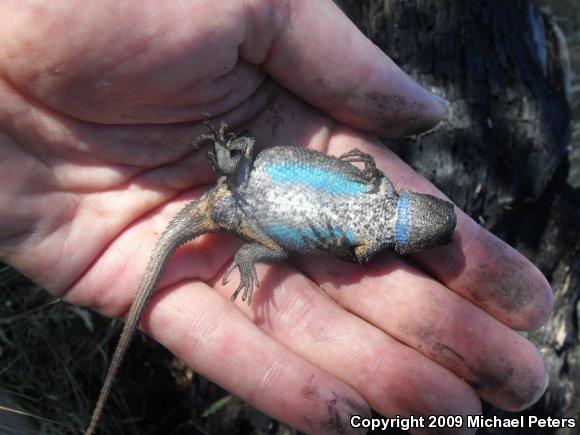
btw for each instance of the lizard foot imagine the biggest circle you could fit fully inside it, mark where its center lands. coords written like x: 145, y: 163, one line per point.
x: 248, y: 278
x: 370, y: 171
x: 216, y: 135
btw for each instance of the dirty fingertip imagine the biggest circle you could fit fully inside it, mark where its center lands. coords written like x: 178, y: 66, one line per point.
x: 343, y: 414
x: 443, y: 105
x: 402, y: 107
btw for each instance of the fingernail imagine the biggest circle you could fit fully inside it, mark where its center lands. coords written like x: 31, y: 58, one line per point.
x: 441, y: 101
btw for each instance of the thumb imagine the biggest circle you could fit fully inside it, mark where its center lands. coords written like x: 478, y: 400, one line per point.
x: 321, y: 56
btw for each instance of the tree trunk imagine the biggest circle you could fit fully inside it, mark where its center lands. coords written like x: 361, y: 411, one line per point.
x: 501, y: 154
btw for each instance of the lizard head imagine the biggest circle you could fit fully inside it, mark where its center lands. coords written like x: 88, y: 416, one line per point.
x: 422, y: 222
x: 229, y: 149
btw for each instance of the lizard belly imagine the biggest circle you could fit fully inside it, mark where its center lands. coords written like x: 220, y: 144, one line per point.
x: 292, y: 214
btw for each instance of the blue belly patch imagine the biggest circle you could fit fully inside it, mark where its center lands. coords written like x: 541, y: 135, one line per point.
x: 402, y: 228
x: 315, y: 177
x: 292, y: 236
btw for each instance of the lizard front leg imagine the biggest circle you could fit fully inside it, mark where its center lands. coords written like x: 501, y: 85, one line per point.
x: 261, y: 248
x: 370, y: 171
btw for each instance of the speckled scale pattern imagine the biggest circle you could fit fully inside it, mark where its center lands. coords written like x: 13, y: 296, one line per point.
x: 292, y: 189
x: 289, y: 199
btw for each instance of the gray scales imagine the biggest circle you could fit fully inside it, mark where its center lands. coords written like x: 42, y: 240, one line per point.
x: 290, y: 199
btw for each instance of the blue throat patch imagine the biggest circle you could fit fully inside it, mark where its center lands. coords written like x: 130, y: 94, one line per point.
x: 317, y: 178
x: 402, y: 228
x: 288, y: 235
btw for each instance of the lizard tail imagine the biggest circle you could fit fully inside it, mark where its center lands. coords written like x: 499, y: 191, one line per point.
x: 192, y: 221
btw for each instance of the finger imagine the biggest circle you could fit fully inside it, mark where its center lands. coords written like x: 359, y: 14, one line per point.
x: 93, y: 64
x: 188, y: 319
x: 493, y: 275
x: 477, y: 265
x: 394, y: 379
x: 502, y: 366
x: 126, y: 148
x: 341, y: 72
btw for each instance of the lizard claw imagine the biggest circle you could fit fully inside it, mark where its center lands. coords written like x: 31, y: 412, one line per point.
x: 255, y: 277
x: 229, y: 270
x: 216, y: 135
x: 248, y: 280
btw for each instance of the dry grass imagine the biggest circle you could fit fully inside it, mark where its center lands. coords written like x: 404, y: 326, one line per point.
x: 52, y: 354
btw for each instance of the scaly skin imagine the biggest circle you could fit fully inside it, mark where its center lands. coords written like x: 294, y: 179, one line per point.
x: 241, y: 204
x: 192, y: 221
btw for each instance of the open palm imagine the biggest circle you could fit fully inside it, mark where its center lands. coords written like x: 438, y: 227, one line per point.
x: 99, y: 104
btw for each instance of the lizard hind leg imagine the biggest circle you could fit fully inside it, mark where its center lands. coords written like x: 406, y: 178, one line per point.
x: 217, y: 135
x: 245, y: 259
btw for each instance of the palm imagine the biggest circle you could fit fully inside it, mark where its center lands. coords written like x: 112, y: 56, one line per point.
x: 110, y: 114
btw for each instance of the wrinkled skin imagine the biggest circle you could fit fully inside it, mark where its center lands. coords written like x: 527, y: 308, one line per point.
x: 99, y: 104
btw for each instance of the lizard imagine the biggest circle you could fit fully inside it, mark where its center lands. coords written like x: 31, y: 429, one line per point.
x: 285, y: 199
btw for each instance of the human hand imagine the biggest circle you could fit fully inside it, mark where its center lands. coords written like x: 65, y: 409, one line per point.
x: 99, y: 104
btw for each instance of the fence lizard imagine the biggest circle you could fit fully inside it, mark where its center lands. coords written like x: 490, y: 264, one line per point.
x: 289, y: 199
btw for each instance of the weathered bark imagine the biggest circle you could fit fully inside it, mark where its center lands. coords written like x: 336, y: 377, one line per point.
x: 501, y: 155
